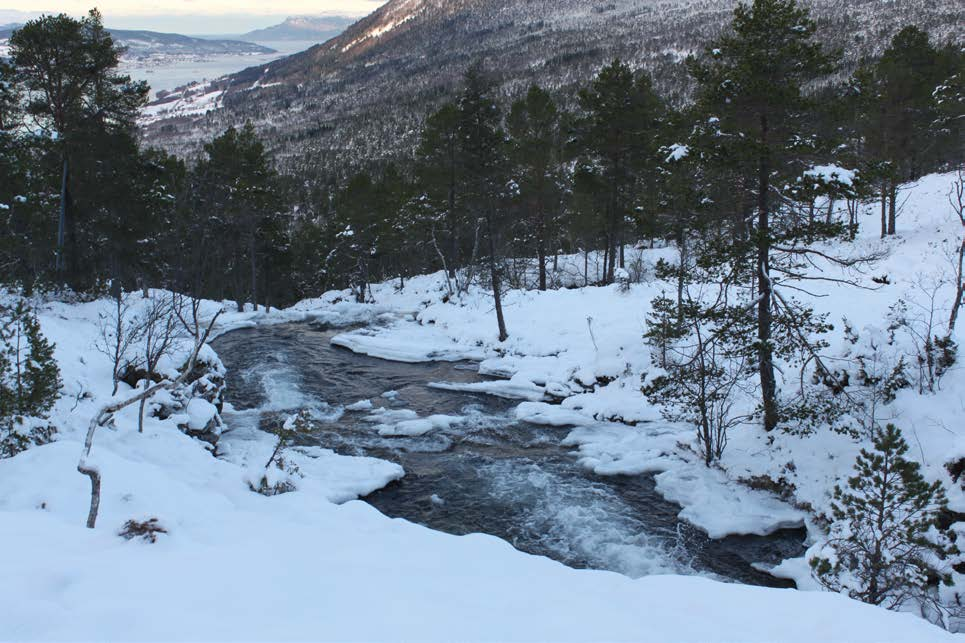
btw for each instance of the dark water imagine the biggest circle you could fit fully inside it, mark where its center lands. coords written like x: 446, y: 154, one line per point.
x: 489, y: 473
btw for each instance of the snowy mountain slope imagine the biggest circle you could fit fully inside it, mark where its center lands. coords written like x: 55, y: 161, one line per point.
x: 332, y: 99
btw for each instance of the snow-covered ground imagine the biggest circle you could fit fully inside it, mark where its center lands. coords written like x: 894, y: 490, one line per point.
x: 238, y: 565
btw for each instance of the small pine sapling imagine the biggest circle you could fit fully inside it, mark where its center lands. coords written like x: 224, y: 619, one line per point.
x: 29, y: 380
x: 664, y: 326
x: 277, y: 475
x: 885, y: 547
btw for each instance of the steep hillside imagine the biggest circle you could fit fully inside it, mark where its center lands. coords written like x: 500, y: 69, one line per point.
x: 363, y: 94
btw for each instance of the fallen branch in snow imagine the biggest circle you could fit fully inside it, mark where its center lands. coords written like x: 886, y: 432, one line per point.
x: 442, y: 258
x: 589, y: 324
x: 104, y: 415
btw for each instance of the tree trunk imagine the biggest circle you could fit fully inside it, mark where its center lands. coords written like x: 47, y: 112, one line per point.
x: 140, y: 411
x: 884, y: 212
x: 494, y: 275
x: 606, y: 261
x: 541, y: 246
x: 959, y: 289
x: 60, y: 262
x: 453, y: 226
x: 253, y: 265
x: 681, y: 273
x: 853, y: 205
x: 765, y: 353
x: 892, y: 208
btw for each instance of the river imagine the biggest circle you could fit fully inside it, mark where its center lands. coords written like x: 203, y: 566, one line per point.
x: 488, y: 473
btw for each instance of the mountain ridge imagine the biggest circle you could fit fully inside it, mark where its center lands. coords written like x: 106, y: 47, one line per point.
x: 318, y: 28
x: 142, y: 42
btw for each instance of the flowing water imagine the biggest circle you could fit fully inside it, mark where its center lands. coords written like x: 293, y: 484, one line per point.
x: 488, y: 473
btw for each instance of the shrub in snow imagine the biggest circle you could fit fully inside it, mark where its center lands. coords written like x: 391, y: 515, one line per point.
x: 701, y: 378
x: 664, y: 326
x: 279, y: 474
x: 146, y: 530
x: 198, y: 400
x: 622, y: 279
x: 277, y: 478
x: 917, y: 319
x: 29, y: 380
x: 119, y: 334
x: 884, y: 545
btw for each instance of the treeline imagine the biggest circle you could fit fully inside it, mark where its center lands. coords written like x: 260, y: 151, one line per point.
x: 83, y: 204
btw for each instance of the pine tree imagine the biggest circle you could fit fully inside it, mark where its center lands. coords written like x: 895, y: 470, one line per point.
x: 29, y: 380
x: 534, y: 128
x: 620, y: 134
x: 884, y: 547
x: 484, y: 164
x: 67, y: 68
x: 898, y: 110
x: 752, y: 85
x: 440, y: 177
x: 240, y: 198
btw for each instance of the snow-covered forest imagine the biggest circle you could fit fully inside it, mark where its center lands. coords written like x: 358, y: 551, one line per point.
x: 587, y: 364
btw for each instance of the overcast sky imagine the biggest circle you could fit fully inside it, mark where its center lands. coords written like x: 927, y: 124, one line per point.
x: 188, y: 16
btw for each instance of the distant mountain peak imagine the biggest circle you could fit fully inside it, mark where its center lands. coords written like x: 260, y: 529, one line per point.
x: 317, y: 28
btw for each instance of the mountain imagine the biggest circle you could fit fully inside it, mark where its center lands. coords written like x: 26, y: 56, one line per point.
x: 144, y: 44
x: 313, y: 28
x: 363, y: 94
x: 148, y: 43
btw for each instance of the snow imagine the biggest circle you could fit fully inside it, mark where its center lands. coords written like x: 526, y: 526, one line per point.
x: 677, y: 152
x: 367, y: 342
x: 831, y: 174
x: 306, y: 565
x: 419, y: 426
x: 550, y: 415
x: 361, y: 405
x: 516, y: 388
x: 721, y: 509
x: 200, y: 412
x: 193, y: 100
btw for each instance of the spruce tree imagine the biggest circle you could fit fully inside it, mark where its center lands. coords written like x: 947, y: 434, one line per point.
x: 884, y: 547
x: 357, y: 230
